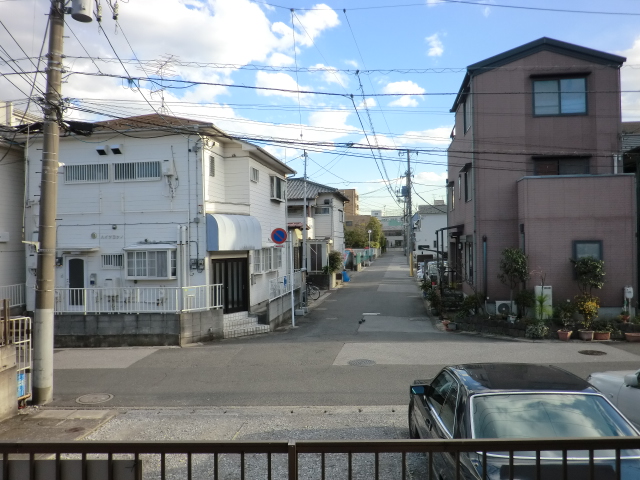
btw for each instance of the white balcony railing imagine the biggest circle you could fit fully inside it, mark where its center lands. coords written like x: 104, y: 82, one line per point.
x: 15, y: 294
x: 138, y: 299
x: 282, y: 285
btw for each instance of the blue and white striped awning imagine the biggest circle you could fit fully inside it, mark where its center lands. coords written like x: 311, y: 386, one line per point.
x: 233, y: 232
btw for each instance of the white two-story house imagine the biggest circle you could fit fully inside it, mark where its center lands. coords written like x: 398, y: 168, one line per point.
x: 324, y: 220
x: 161, y: 215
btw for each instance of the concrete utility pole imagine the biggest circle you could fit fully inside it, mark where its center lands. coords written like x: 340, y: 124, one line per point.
x: 45, y: 273
x: 409, y: 216
x: 304, y: 218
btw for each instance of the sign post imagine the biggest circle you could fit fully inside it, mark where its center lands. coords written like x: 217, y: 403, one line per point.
x: 279, y: 236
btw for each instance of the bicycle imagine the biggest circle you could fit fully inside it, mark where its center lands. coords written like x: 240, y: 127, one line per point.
x: 313, y: 292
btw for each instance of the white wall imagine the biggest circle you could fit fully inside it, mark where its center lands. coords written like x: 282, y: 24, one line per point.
x: 426, y: 234
x: 12, y: 249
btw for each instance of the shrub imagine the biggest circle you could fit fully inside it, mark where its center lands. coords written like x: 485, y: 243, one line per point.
x: 587, y: 306
x: 589, y: 274
x: 470, y: 303
x: 536, y: 330
x: 524, y: 300
x: 335, y: 262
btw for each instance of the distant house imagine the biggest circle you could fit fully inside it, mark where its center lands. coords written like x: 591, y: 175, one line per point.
x: 352, y: 207
x: 393, y: 228
x: 426, y: 221
x: 163, y: 233
x: 324, y: 219
x: 535, y: 164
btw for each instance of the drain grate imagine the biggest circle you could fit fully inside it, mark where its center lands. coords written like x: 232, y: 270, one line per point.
x: 592, y: 352
x: 94, y: 398
x: 361, y: 362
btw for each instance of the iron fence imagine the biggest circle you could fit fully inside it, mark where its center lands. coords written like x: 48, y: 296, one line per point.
x: 282, y: 285
x: 15, y: 294
x: 598, y: 459
x: 138, y: 299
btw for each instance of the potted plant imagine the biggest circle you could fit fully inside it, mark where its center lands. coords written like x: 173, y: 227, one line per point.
x: 624, y: 316
x: 633, y: 336
x: 602, y: 330
x: 587, y: 306
x: 564, y: 312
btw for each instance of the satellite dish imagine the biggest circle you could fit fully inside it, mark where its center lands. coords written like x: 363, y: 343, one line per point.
x: 504, y: 309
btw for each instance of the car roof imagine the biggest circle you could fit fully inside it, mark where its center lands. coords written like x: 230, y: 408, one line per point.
x: 521, y: 377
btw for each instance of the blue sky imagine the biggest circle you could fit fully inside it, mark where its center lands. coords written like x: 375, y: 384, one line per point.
x: 420, y: 51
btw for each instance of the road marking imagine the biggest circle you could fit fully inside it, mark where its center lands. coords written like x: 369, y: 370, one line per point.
x: 371, y: 313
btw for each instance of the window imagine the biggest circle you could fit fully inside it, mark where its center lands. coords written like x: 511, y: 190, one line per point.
x: 459, y: 186
x: 561, y: 166
x: 112, y: 261
x: 212, y: 166
x: 349, y: 223
x: 467, y: 113
x: 277, y: 258
x: 323, y: 210
x: 136, y: 171
x: 448, y: 411
x: 255, y: 175
x: 277, y: 189
x: 97, y: 173
x: 467, y: 189
x: 435, y: 243
x: 257, y: 261
x: 562, y: 96
x: 340, y: 216
x: 267, y: 259
x: 151, y: 264
x: 587, y: 248
x: 439, y: 389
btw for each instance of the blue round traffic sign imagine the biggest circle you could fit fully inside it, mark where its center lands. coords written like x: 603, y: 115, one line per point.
x: 279, y: 235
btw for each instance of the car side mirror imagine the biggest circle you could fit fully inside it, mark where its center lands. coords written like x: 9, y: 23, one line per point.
x: 631, y: 380
x: 417, y: 389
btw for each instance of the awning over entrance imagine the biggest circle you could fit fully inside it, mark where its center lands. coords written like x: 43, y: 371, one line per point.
x: 233, y: 232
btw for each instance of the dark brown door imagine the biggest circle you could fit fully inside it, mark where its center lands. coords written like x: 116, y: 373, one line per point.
x: 232, y: 273
x: 76, y: 280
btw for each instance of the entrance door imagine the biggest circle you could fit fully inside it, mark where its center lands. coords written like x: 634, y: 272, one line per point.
x: 232, y: 274
x: 76, y: 280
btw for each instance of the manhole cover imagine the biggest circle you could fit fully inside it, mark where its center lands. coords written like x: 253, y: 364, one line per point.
x: 93, y: 398
x: 592, y: 352
x: 361, y: 362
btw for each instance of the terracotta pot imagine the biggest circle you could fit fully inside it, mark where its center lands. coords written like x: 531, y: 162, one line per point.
x: 586, y: 335
x: 601, y: 335
x: 632, y: 336
x: 564, y: 335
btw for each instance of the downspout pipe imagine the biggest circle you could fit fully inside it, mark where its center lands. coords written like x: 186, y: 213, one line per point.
x: 484, y: 267
x: 441, y: 232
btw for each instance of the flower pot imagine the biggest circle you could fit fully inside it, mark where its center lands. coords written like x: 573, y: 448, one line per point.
x: 564, y: 335
x: 585, y: 335
x: 452, y: 326
x: 601, y: 335
x: 632, y: 336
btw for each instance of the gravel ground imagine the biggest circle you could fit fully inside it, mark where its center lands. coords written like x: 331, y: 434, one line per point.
x: 266, y: 424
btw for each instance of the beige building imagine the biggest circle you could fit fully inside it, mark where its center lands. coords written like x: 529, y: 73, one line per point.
x: 353, y: 207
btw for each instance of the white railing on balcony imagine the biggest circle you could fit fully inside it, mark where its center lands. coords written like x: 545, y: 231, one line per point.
x: 282, y: 285
x: 138, y: 299
x: 15, y: 294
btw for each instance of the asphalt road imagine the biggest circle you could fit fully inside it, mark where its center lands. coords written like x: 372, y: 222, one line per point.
x: 331, y: 358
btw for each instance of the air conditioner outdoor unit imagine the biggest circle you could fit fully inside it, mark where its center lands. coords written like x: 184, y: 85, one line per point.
x: 503, y: 307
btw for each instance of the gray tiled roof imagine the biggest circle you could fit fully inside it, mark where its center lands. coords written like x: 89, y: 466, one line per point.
x: 295, y: 190
x: 432, y: 209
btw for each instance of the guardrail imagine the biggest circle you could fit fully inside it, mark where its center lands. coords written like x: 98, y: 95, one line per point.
x: 282, y: 285
x: 138, y: 299
x: 599, y: 458
x: 15, y: 294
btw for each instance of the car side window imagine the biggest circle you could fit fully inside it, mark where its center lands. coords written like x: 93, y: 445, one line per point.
x: 439, y: 390
x: 448, y: 410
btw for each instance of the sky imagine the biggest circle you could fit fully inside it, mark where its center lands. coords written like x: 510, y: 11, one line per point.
x: 272, y: 75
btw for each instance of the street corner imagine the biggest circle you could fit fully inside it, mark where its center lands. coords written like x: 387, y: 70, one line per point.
x: 58, y: 425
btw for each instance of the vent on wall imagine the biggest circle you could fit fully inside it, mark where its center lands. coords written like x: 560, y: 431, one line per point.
x: 116, y: 149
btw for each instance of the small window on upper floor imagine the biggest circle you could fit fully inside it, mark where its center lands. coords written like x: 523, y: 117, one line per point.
x: 277, y: 188
x: 467, y: 113
x: 340, y: 216
x: 561, y: 166
x: 212, y: 166
x: 560, y: 96
x: 93, y: 173
x: 136, y: 171
x: 323, y: 210
x: 255, y: 175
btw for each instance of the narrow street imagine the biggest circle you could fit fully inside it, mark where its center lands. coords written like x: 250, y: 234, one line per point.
x: 331, y: 358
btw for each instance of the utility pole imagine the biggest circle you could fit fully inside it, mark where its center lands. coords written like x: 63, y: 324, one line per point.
x: 304, y: 220
x: 410, y: 216
x: 46, y: 249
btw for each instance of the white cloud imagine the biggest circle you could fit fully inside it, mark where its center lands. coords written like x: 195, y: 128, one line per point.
x: 630, y: 79
x: 368, y: 102
x: 436, y: 49
x: 433, y: 3
x: 351, y: 63
x: 332, y: 75
x: 439, y: 136
x: 280, y: 60
x: 409, y: 90
x: 278, y: 80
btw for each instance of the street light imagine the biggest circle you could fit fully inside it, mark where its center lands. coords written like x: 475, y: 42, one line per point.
x: 369, y: 232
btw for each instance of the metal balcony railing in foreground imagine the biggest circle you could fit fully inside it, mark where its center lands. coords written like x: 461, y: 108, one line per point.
x: 539, y: 459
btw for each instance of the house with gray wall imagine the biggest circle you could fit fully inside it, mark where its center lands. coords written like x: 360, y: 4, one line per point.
x: 535, y: 164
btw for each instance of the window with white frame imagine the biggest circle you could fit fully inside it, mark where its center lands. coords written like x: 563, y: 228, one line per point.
x: 125, y: 172
x: 257, y: 261
x: 267, y: 259
x: 151, y: 264
x: 560, y: 96
x: 212, y: 166
x: 112, y: 261
x: 340, y: 216
x: 323, y: 210
x: 277, y: 189
x: 255, y: 175
x: 96, y: 173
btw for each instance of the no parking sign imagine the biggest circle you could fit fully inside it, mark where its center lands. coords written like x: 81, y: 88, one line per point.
x: 279, y: 235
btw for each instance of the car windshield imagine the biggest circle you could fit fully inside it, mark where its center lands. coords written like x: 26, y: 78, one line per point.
x: 546, y: 415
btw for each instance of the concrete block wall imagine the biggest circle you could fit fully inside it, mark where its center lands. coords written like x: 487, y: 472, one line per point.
x: 279, y: 310
x: 201, y: 326
x: 8, y: 382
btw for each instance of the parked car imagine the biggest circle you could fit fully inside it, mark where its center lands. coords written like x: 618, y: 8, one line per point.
x: 621, y: 388
x: 517, y: 401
